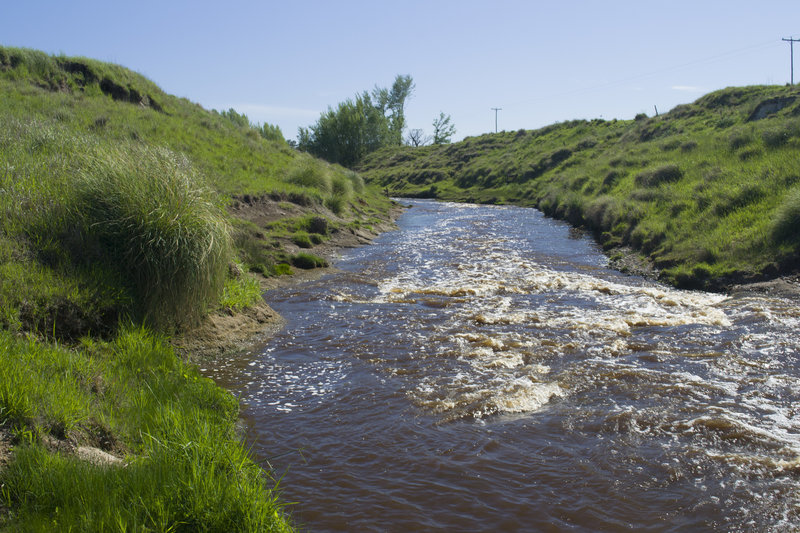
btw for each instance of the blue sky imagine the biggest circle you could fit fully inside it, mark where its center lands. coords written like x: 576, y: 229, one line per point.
x: 541, y: 62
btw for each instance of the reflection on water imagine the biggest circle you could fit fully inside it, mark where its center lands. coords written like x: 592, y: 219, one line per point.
x: 481, y: 370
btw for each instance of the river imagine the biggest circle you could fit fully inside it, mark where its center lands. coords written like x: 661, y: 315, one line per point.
x: 481, y: 369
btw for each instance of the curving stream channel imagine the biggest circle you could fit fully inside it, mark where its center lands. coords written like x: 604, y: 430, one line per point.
x: 481, y: 369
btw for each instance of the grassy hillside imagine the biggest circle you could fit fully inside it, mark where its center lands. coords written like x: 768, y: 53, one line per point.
x: 709, y: 192
x: 118, y: 227
x: 93, y: 146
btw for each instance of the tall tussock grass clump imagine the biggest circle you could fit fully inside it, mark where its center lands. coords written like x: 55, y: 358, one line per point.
x: 334, y: 185
x: 310, y: 174
x: 786, y: 224
x: 136, y: 220
x: 147, y: 213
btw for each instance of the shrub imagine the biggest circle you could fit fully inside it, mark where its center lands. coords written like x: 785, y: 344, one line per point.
x: 318, y: 225
x: 749, y: 153
x: 780, y: 135
x: 281, y: 269
x: 611, y: 178
x: 356, y: 181
x: 670, y: 145
x: 739, y: 198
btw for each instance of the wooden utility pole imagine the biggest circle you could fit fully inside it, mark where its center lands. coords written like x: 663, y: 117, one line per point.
x: 496, y: 109
x: 791, y: 41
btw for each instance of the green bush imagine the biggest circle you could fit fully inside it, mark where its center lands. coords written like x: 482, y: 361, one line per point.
x: 739, y: 139
x: 778, y: 136
x: 356, y: 181
x: 317, y: 224
x: 145, y: 212
x: 281, y: 269
x: 340, y: 186
x: 603, y: 213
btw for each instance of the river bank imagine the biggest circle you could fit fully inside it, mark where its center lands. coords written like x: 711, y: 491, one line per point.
x: 629, y: 261
x: 709, y: 191
x: 227, y: 330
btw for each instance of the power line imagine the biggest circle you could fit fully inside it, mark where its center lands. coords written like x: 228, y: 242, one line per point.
x: 791, y: 41
x: 496, y: 109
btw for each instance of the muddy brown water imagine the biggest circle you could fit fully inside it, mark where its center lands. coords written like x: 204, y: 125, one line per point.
x: 481, y: 369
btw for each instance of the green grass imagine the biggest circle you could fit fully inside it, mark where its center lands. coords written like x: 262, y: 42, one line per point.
x: 308, y: 261
x: 115, y: 230
x: 707, y: 192
x: 186, y: 469
x: 235, y: 156
x: 147, y: 210
x: 302, y: 239
x: 240, y: 292
x: 138, y: 214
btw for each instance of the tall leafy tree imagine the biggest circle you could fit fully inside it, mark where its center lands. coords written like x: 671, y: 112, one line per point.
x: 392, y: 101
x: 443, y: 129
x: 359, y: 126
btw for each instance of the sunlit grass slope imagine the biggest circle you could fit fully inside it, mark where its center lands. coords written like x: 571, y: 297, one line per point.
x: 709, y: 191
x: 115, y: 194
x: 116, y: 230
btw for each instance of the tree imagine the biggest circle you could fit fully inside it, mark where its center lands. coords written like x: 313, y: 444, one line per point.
x: 271, y: 132
x: 346, y: 134
x: 417, y: 137
x: 443, y: 129
x: 359, y: 126
x: 240, y: 120
x: 393, y: 102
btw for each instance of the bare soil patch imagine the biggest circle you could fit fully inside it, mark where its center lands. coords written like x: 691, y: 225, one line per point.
x: 5, y: 447
x: 5, y: 457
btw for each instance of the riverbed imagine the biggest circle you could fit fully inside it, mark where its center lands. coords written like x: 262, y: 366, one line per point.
x: 482, y: 369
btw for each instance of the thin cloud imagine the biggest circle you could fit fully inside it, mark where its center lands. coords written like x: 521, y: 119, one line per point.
x: 688, y: 88
x: 276, y: 111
